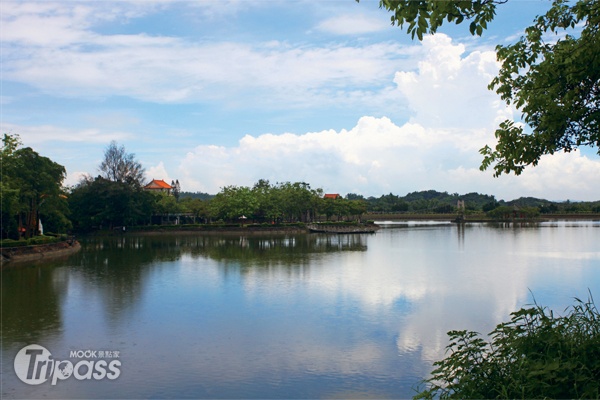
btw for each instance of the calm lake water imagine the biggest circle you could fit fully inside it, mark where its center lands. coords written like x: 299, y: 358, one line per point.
x: 301, y: 316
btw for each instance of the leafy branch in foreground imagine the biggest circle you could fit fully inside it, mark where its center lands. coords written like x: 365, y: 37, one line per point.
x: 534, y: 355
x: 551, y: 75
x: 426, y: 16
x: 554, y: 85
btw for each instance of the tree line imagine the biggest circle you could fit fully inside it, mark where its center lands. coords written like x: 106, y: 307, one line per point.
x: 432, y: 201
x: 33, y: 191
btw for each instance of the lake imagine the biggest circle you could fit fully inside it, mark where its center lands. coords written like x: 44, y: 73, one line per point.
x: 302, y: 316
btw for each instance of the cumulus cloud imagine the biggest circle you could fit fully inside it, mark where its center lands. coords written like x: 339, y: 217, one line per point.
x: 449, y: 90
x: 454, y: 116
x: 157, y: 172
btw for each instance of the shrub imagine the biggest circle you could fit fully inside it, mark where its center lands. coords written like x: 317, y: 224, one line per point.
x: 12, y: 243
x: 534, y: 355
x: 32, y: 241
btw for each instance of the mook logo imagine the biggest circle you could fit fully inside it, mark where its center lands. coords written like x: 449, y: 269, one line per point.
x: 34, y: 365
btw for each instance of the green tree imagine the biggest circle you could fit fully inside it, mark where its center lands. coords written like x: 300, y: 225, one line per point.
x: 357, y: 208
x: 103, y: 204
x: 426, y: 16
x: 29, y: 180
x: 167, y: 204
x: 234, y: 202
x: 268, y: 197
x: 176, y: 191
x: 329, y: 207
x: 299, y: 202
x: 114, y: 198
x: 555, y: 85
x: 198, y: 208
x: 9, y: 192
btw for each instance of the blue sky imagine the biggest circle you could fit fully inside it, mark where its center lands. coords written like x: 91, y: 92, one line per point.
x: 215, y: 93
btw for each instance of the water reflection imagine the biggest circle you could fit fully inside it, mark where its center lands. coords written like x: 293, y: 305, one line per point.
x: 284, y: 250
x: 286, y: 316
x: 31, y: 302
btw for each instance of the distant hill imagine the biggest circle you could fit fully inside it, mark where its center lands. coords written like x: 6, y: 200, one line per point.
x: 432, y: 201
x: 528, y: 202
x: 427, y: 201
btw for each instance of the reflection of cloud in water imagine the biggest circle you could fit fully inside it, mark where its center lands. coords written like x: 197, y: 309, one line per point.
x: 435, y: 279
x: 306, y: 312
x: 564, y: 255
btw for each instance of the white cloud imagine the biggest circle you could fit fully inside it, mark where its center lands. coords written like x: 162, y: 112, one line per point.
x: 373, y: 157
x: 73, y: 178
x: 142, y: 67
x: 33, y: 135
x: 451, y: 91
x: 56, y: 49
x: 353, y: 24
x: 157, y: 172
x: 563, y: 174
x: 454, y: 116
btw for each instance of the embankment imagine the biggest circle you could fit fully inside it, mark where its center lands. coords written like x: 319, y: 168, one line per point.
x: 12, y: 255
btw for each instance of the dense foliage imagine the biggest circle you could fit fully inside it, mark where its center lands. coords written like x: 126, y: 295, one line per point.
x: 555, y: 86
x: 426, y: 16
x: 535, y: 355
x: 31, y: 187
x: 282, y: 202
x: 103, y: 204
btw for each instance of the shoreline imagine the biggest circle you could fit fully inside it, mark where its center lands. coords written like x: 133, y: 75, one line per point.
x: 11, y: 255
x: 253, y: 230
x: 18, y: 255
x: 478, y: 217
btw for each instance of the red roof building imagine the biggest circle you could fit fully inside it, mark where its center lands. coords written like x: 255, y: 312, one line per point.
x: 331, y: 196
x: 158, y: 186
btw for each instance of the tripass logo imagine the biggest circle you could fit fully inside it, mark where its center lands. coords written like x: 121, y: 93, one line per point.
x: 34, y: 365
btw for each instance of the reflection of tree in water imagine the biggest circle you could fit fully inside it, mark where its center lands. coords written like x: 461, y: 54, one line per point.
x: 31, y: 301
x: 282, y: 250
x: 117, y: 267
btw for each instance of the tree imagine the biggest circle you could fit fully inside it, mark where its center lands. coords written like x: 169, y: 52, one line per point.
x: 233, y: 203
x: 100, y: 203
x: 199, y: 208
x: 554, y: 85
x: 426, y: 16
x: 29, y: 180
x: 166, y: 204
x: 299, y: 201
x: 176, y: 189
x: 120, y: 166
x: 269, y: 201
